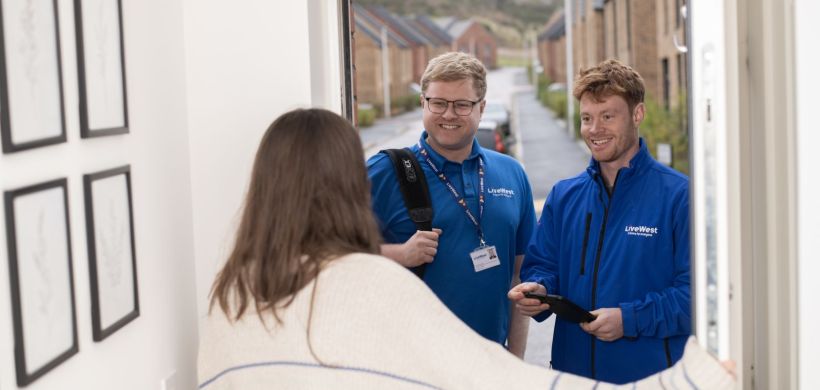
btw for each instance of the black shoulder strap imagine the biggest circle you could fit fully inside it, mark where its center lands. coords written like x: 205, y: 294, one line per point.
x: 414, y: 189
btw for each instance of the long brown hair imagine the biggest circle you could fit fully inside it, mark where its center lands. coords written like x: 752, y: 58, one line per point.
x: 308, y: 202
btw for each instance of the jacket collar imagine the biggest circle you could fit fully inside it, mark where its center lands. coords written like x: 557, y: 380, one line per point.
x: 636, y: 164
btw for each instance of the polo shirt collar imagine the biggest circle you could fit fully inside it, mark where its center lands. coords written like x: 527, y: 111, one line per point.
x: 439, y: 160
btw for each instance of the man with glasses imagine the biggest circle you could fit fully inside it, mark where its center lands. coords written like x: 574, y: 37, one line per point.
x: 482, y: 205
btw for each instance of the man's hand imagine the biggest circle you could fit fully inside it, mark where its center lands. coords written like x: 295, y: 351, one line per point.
x: 418, y: 250
x: 528, y: 306
x: 608, y: 326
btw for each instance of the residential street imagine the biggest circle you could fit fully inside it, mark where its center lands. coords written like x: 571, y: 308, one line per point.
x: 542, y: 145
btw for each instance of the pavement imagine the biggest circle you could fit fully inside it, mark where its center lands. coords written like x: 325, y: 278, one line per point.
x: 397, y: 132
x: 548, y: 155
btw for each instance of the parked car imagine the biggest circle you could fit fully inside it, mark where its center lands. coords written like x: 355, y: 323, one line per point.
x: 497, y: 112
x: 490, y: 136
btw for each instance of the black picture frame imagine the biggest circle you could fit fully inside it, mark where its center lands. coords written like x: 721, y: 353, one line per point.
x: 112, y: 259
x: 101, y: 68
x: 32, y: 110
x: 41, y: 278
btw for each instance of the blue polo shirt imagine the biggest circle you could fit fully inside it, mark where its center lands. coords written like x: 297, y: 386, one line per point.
x: 477, y: 298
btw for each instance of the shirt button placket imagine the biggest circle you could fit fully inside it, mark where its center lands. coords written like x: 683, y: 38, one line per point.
x: 467, y: 179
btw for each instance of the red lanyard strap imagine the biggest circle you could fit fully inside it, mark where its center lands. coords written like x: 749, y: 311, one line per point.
x: 458, y: 198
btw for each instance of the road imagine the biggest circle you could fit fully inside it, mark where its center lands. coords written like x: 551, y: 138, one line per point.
x: 545, y: 150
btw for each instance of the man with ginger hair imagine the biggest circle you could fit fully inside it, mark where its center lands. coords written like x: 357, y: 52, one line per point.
x: 482, y: 206
x: 614, y: 240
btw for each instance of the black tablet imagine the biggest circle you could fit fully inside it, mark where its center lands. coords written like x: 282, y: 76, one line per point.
x: 564, y: 308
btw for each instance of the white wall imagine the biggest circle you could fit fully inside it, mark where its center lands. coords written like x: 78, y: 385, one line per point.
x: 205, y: 79
x: 246, y: 65
x: 325, y: 54
x: 808, y: 83
x: 161, y: 340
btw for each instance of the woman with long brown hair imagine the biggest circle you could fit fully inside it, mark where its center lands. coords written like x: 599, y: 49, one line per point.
x: 304, y: 302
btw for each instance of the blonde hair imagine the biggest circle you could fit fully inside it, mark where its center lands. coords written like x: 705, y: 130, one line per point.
x: 455, y: 66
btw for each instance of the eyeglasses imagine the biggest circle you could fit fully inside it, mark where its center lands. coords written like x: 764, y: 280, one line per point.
x: 461, y: 107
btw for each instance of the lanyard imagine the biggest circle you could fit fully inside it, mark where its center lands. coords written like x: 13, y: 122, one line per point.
x: 458, y: 198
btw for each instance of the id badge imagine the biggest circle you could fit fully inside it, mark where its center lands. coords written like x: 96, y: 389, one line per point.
x: 484, y: 257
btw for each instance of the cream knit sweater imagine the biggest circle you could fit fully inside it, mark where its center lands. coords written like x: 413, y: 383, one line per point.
x: 376, y: 326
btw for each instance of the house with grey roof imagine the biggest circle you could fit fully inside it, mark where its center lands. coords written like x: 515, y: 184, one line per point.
x: 470, y: 36
x: 368, y: 50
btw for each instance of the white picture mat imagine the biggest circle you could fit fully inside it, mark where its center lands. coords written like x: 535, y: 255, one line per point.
x: 32, y: 70
x: 103, y: 63
x: 112, y: 242
x: 44, y: 277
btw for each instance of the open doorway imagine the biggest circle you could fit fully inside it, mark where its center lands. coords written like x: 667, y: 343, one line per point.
x: 528, y: 47
x: 721, y: 80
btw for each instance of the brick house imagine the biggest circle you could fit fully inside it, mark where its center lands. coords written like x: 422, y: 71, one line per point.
x: 471, y: 37
x: 439, y: 39
x: 368, y: 46
x: 588, y: 33
x: 631, y: 33
x: 419, y: 44
x: 552, y: 47
x: 411, y: 43
x: 671, y: 62
x: 589, y: 38
x: 367, y: 86
x: 640, y: 33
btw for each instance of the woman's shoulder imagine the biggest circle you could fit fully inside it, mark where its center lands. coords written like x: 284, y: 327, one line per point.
x: 363, y: 269
x: 364, y: 262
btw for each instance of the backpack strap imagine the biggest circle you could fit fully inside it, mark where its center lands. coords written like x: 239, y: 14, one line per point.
x: 413, y: 185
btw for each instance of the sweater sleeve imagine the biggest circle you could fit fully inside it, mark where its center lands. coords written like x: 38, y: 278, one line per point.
x: 372, y: 314
x: 696, y: 369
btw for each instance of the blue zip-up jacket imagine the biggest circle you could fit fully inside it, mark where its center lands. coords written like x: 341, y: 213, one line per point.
x: 630, y: 250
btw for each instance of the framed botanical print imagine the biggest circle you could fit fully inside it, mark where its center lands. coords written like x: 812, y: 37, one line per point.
x: 31, y: 88
x: 101, y: 68
x: 112, y: 260
x: 42, y: 282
